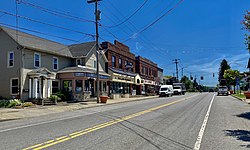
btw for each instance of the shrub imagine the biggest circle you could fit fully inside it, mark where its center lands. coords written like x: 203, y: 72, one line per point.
x: 61, y: 95
x: 55, y: 98
x: 13, y: 103
x: 27, y: 104
x: 4, y: 103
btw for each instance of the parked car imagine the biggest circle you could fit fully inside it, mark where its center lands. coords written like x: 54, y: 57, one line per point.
x: 166, y: 90
x: 222, y: 90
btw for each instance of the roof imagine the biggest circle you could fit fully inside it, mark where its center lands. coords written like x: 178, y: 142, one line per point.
x: 81, y: 69
x: 37, y: 43
x: 82, y: 49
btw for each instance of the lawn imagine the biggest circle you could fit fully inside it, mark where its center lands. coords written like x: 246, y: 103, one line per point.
x: 240, y: 95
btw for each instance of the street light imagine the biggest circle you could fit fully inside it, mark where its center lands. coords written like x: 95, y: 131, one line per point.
x: 97, y: 17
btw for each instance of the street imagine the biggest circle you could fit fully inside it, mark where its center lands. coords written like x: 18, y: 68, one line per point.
x: 192, y: 121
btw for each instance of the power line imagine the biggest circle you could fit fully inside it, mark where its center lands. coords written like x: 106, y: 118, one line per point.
x: 57, y: 13
x: 37, y: 21
x: 25, y: 29
x: 162, y: 16
x: 129, y: 16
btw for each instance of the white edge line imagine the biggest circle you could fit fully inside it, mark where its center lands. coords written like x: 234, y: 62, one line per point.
x: 200, y: 135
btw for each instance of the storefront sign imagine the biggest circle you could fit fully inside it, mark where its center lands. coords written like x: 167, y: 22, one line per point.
x: 92, y: 75
x: 149, y: 82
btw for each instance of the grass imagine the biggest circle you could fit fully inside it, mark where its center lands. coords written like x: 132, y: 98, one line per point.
x: 240, y: 95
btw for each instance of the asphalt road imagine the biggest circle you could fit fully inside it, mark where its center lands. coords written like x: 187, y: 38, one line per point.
x: 194, y: 121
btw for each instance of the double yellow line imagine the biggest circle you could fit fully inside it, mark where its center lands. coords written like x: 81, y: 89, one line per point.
x: 94, y: 128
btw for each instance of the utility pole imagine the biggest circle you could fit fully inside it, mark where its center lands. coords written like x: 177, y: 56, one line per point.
x: 182, y: 70
x: 176, y: 61
x: 97, y: 18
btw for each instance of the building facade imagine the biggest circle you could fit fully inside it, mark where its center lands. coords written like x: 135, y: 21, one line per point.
x: 35, y: 68
x: 121, y: 67
x: 148, y: 72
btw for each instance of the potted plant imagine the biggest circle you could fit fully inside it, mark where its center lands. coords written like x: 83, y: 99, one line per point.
x: 247, y: 94
x: 103, y: 98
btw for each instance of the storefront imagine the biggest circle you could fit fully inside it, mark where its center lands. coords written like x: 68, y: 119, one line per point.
x: 123, y: 82
x: 81, y: 82
x: 148, y: 87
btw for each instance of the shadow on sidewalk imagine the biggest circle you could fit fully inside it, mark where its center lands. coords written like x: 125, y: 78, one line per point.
x: 245, y: 115
x: 242, y: 135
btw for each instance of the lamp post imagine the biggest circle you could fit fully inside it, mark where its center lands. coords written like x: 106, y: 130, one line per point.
x: 97, y: 18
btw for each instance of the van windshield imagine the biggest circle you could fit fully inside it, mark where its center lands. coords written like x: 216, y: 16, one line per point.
x: 177, y: 87
x: 164, y: 89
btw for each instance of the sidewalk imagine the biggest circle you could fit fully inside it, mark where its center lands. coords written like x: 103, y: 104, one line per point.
x: 242, y: 99
x: 28, y: 112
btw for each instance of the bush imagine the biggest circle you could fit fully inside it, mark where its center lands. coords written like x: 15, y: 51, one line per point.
x: 61, y: 95
x: 55, y: 98
x: 27, y: 104
x: 13, y: 103
x: 4, y: 103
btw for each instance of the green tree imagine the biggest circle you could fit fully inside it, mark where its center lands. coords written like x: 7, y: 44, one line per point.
x: 231, y: 76
x: 187, y: 82
x: 223, y: 66
x: 246, y: 23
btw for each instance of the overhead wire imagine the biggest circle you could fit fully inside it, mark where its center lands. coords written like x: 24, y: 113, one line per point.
x: 158, y: 19
x: 25, y: 29
x: 127, y: 18
x: 57, y: 13
x: 37, y: 21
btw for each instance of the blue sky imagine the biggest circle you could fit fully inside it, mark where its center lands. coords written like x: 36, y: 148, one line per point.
x: 199, y: 33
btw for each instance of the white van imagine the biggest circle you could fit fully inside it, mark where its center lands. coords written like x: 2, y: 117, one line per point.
x: 166, y: 90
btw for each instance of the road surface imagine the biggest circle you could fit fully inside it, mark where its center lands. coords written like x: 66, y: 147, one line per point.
x: 191, y: 121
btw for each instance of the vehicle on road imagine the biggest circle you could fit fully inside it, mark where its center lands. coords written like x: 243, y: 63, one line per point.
x: 222, y: 90
x: 179, y: 88
x: 166, y: 90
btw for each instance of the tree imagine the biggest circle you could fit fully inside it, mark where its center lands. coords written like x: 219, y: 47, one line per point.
x: 231, y: 76
x: 246, y: 23
x: 187, y: 82
x: 223, y: 66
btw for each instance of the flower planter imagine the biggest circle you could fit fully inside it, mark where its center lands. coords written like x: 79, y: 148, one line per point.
x: 103, y: 99
x: 247, y: 94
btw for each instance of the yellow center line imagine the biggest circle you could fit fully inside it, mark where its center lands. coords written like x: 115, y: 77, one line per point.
x: 61, y: 139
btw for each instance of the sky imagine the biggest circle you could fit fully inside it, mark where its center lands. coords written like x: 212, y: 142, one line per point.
x: 199, y: 33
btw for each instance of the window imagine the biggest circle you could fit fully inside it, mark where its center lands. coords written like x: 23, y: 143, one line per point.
x: 94, y: 64
x: 14, y: 86
x: 113, y: 61
x: 55, y: 86
x: 78, y: 85
x: 78, y: 62
x: 55, y: 63
x: 120, y: 63
x: 10, y: 59
x: 37, y: 60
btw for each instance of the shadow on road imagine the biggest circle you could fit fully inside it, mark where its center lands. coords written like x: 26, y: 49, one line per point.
x: 242, y: 135
x: 245, y: 115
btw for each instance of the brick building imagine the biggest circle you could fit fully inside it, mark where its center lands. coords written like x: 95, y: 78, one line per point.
x: 121, y: 67
x: 148, y: 71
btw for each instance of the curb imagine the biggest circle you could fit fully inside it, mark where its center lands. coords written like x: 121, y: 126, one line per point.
x: 241, y: 99
x: 97, y: 105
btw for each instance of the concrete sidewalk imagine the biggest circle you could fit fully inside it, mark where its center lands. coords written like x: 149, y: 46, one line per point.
x: 28, y: 112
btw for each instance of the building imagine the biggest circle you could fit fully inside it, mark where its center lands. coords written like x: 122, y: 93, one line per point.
x: 35, y: 68
x: 159, y: 79
x: 121, y: 68
x: 148, y: 72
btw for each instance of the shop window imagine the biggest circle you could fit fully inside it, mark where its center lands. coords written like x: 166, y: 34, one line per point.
x: 113, y: 61
x: 14, y: 86
x: 10, y: 59
x: 55, y: 86
x: 78, y: 86
x: 86, y: 85
x: 67, y: 85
